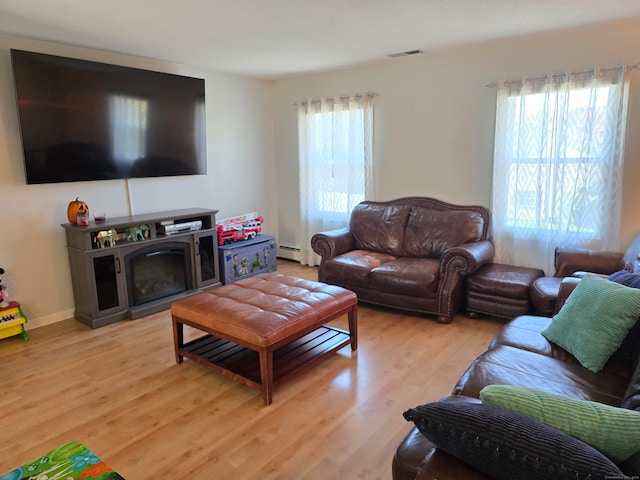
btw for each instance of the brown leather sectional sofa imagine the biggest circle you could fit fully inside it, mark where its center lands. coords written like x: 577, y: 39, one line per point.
x: 520, y: 355
x: 410, y: 253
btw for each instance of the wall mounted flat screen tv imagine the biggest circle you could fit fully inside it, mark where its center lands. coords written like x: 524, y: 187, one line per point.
x: 82, y: 120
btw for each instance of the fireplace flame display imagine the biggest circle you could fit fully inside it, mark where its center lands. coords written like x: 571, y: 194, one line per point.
x: 158, y: 272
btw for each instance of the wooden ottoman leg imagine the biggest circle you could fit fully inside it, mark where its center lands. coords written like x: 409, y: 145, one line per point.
x: 353, y: 326
x: 266, y: 374
x: 178, y: 337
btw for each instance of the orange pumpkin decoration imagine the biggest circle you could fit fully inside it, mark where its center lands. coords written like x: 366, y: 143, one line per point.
x: 75, y: 207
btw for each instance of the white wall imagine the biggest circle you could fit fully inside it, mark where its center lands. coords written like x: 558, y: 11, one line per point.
x: 434, y: 116
x: 240, y: 179
x: 434, y: 121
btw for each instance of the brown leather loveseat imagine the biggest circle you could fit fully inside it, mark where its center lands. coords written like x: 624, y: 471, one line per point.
x: 520, y: 355
x: 410, y: 253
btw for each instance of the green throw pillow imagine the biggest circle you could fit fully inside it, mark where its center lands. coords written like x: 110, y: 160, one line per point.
x: 594, y: 320
x: 613, y: 431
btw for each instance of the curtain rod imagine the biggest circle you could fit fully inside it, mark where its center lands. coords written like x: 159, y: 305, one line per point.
x: 559, y: 75
x: 340, y: 97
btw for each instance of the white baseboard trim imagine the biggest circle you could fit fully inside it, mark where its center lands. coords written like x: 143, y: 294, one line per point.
x: 33, y: 323
x: 288, y: 253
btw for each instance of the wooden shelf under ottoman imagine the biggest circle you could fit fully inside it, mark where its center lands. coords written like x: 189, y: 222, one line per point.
x: 231, y: 359
x: 500, y: 290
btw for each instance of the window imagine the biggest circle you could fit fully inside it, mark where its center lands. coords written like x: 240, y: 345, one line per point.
x: 558, y: 165
x: 335, y: 160
x: 342, y: 159
x: 539, y: 185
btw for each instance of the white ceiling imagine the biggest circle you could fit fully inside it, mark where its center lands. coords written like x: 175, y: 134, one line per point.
x: 274, y: 38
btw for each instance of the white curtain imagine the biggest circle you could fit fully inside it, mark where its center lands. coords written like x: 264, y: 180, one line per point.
x: 558, y: 157
x: 335, y: 160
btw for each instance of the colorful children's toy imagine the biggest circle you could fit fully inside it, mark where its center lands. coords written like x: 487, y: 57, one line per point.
x: 12, y: 319
x: 4, y: 295
x: 242, y: 227
x: 69, y: 462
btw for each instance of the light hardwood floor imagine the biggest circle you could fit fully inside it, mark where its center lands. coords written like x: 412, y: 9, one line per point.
x: 118, y: 390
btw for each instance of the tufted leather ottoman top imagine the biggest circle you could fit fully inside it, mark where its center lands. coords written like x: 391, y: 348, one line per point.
x: 266, y: 308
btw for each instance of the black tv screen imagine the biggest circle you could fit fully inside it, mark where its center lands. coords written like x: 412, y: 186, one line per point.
x: 82, y: 120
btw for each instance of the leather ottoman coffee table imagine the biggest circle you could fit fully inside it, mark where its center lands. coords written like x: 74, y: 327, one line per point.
x: 265, y: 329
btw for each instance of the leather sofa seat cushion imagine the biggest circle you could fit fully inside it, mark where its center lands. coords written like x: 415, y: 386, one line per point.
x: 354, y: 267
x: 446, y: 229
x: 379, y: 228
x: 504, y: 365
x: 524, y: 333
x: 407, y: 276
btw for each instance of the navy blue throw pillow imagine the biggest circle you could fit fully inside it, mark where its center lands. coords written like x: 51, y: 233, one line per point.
x: 629, y: 348
x: 625, y: 277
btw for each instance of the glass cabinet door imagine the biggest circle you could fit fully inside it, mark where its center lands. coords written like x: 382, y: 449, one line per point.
x: 206, y: 248
x: 106, y: 269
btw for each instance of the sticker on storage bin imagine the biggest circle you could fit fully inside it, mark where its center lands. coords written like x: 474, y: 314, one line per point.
x: 245, y: 259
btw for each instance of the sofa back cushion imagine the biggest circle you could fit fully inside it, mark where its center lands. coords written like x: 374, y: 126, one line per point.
x: 379, y: 227
x: 631, y: 397
x: 431, y: 232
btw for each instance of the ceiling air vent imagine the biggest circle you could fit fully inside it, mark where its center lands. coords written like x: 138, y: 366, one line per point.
x: 404, y: 54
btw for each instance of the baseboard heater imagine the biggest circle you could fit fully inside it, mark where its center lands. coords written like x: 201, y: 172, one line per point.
x: 288, y: 253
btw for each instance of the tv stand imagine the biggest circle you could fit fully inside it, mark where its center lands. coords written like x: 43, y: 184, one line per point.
x: 101, y: 260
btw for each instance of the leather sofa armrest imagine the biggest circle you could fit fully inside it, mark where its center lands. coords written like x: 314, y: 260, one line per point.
x: 438, y: 464
x: 473, y: 255
x: 569, y: 260
x: 567, y: 286
x: 456, y: 263
x: 333, y: 242
x: 418, y: 458
x: 581, y: 274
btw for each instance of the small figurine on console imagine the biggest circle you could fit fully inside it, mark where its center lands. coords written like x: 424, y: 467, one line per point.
x: 4, y: 295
